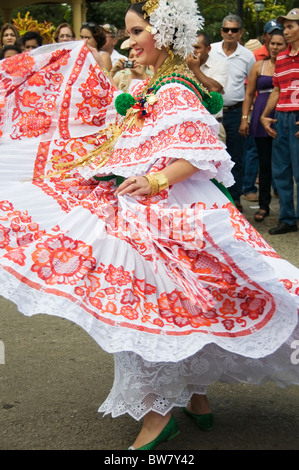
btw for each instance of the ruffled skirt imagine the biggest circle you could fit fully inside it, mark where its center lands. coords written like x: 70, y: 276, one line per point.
x: 180, y: 287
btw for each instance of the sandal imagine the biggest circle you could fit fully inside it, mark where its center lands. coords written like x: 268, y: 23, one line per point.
x: 260, y: 215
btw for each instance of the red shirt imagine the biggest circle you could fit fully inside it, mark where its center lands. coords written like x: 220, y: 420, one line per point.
x: 286, y: 77
x: 261, y: 53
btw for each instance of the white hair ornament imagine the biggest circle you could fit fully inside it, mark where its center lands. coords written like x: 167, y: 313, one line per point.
x: 175, y: 24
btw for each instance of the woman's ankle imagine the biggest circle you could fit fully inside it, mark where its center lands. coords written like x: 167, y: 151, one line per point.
x: 199, y: 404
x: 153, y: 424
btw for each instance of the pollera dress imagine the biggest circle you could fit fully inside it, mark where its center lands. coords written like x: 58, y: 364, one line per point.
x: 179, y: 287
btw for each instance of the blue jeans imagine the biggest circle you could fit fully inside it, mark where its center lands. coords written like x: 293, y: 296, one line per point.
x: 235, y: 147
x: 251, y: 166
x: 285, y: 164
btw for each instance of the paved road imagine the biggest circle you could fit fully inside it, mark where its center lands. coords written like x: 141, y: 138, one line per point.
x: 55, y: 377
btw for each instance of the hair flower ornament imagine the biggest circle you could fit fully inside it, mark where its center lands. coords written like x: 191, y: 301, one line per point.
x: 175, y: 24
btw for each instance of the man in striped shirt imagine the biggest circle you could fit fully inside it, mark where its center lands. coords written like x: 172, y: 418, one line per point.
x: 285, y: 127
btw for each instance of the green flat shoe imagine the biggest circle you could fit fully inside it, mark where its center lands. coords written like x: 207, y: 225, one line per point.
x: 204, y: 422
x: 170, y: 431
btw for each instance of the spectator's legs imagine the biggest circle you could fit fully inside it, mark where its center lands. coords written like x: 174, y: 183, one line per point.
x: 282, y: 168
x: 235, y: 147
x: 251, y: 167
x: 264, y: 147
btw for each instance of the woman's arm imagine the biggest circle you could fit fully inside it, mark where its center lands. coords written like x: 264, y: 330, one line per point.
x: 271, y: 103
x: 103, y: 59
x: 249, y: 97
x: 176, y: 172
x: 106, y: 60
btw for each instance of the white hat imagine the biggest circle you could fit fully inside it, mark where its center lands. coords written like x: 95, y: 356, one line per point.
x: 253, y: 44
x: 125, y: 44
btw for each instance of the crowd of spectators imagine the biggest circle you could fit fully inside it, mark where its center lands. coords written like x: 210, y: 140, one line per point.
x: 223, y: 66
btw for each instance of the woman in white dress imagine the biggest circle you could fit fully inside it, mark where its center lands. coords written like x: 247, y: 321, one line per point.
x: 112, y: 217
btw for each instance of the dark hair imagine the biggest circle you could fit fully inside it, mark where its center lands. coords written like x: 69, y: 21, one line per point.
x: 32, y: 35
x: 6, y: 26
x: 9, y: 47
x: 58, y: 29
x: 277, y: 32
x: 205, y: 38
x: 98, y: 33
x: 137, y: 8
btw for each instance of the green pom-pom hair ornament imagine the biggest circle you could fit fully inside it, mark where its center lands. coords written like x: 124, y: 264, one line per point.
x: 123, y: 102
x: 213, y: 103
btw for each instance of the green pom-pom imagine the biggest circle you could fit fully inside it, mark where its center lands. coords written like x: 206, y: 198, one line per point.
x: 123, y: 102
x: 213, y: 103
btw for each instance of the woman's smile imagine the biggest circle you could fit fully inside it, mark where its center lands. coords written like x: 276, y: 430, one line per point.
x: 143, y: 42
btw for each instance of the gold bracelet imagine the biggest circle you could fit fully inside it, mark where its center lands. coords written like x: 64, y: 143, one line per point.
x: 157, y: 182
x: 245, y: 116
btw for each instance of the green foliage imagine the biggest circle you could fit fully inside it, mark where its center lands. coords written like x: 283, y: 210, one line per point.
x: 53, y: 12
x: 251, y: 17
x: 112, y: 12
x: 213, y: 12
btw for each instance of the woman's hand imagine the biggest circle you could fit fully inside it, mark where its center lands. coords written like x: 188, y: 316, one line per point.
x: 96, y: 55
x: 134, y: 186
x: 244, y: 128
x: 119, y: 65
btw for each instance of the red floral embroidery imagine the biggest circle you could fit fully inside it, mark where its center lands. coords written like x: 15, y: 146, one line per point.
x: 129, y: 297
x: 34, y: 123
x: 129, y: 312
x: 61, y: 260
x: 4, y: 236
x: 188, y: 132
x: 18, y: 65
x: 117, y: 275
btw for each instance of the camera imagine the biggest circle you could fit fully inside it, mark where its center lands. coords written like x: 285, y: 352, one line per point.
x: 128, y: 64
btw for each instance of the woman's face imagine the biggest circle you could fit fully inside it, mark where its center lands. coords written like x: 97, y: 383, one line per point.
x: 276, y: 45
x: 65, y: 34
x: 86, y: 34
x: 9, y: 37
x: 142, y: 41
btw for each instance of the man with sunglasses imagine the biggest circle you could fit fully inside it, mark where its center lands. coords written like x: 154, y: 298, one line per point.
x: 239, y: 61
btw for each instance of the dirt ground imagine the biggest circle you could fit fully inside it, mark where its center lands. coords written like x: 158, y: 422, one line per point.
x: 55, y: 377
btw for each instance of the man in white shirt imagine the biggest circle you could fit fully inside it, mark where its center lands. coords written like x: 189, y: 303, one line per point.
x: 239, y: 61
x: 211, y: 73
x: 111, y: 41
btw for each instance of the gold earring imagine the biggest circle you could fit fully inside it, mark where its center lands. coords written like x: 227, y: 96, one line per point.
x: 169, y: 52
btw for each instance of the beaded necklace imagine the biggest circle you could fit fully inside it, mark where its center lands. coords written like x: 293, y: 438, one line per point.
x: 173, y: 70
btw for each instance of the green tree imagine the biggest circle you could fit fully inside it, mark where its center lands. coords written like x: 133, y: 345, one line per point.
x: 53, y: 12
x: 111, y: 11
x: 271, y: 10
